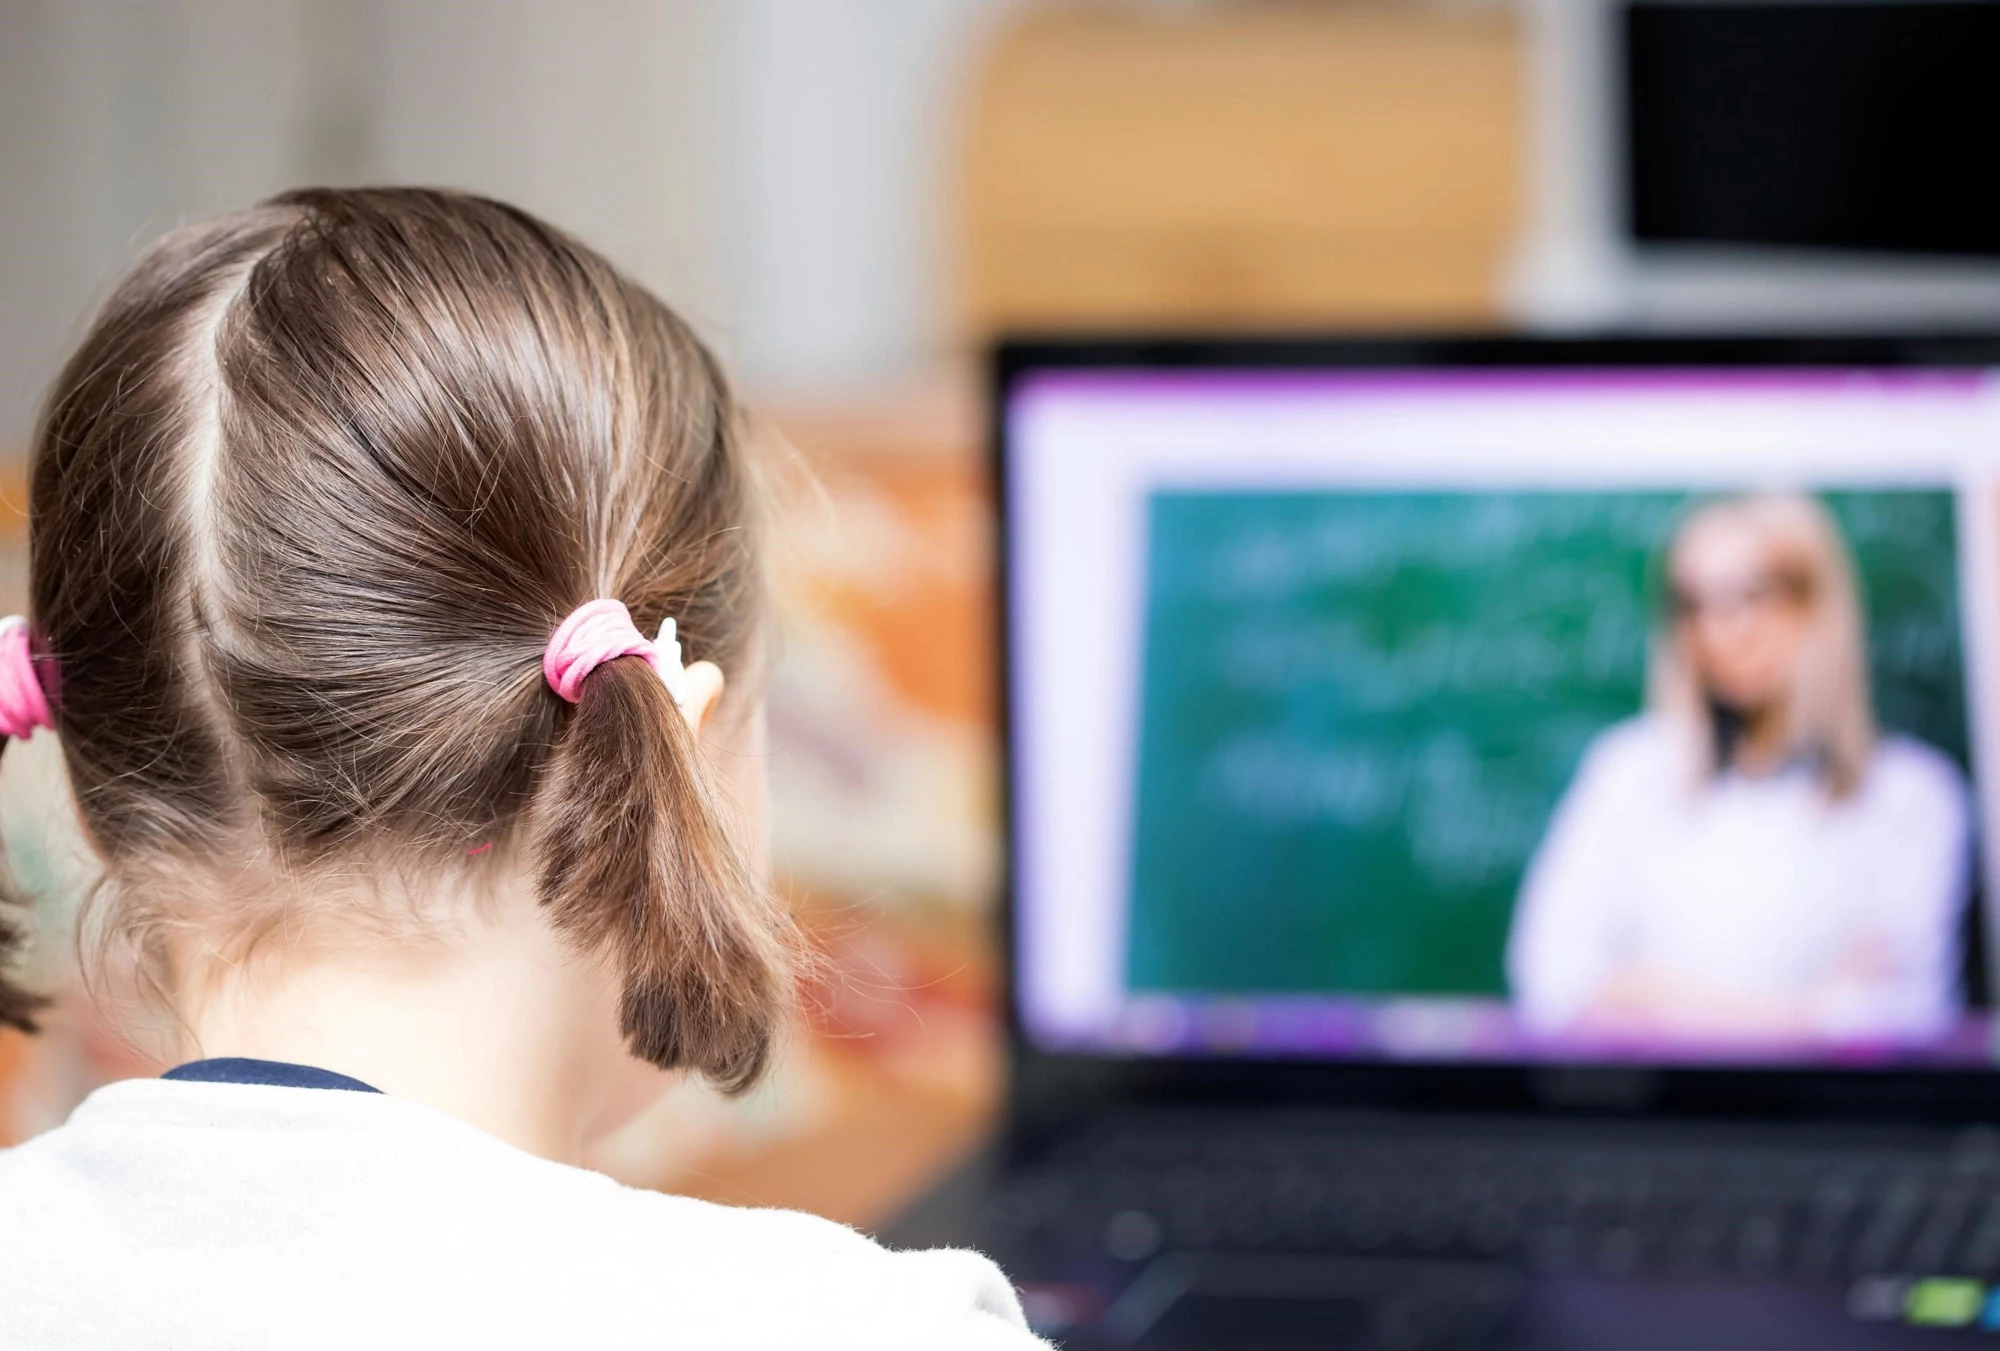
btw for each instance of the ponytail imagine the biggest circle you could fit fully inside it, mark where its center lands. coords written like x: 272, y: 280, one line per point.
x: 638, y: 861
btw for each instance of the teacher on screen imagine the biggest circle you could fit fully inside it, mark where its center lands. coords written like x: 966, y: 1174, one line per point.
x: 1750, y: 859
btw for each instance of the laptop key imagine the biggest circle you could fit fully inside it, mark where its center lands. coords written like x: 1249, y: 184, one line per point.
x: 1617, y: 1251
x: 1554, y: 1248
x: 1494, y: 1228
x: 1132, y: 1236
x: 1931, y: 1248
x: 1759, y: 1242
x: 1698, y: 1245
x: 1981, y: 1254
x: 1366, y: 1225
x: 1882, y: 1240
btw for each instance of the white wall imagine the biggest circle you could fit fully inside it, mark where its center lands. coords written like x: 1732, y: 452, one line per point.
x: 116, y: 121
x: 775, y: 168
x: 611, y: 118
x: 849, y: 108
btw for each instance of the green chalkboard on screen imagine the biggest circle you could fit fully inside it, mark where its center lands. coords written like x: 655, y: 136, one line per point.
x: 1360, y: 708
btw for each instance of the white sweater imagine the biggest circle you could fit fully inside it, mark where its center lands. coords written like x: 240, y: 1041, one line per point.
x: 1756, y: 886
x: 213, y: 1215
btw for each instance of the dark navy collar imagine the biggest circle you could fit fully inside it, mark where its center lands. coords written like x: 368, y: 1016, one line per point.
x: 238, y: 1070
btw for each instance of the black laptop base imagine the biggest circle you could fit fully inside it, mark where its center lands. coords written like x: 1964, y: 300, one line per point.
x: 1268, y: 1231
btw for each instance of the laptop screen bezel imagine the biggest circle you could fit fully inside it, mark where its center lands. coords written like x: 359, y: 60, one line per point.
x: 1046, y: 1086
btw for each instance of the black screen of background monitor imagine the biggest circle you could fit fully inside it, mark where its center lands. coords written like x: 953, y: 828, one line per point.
x: 1856, y: 125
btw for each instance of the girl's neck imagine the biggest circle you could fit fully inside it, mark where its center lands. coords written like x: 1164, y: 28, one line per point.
x: 485, y: 1027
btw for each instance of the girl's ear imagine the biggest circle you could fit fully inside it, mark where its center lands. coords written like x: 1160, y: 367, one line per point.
x: 704, y: 694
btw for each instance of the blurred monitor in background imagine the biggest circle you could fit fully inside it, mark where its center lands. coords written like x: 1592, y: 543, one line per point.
x: 1856, y: 125
x: 1762, y: 165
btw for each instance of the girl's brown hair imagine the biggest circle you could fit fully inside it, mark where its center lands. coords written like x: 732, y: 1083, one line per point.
x: 306, y: 507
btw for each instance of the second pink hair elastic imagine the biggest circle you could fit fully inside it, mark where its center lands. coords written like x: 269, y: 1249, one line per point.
x: 24, y: 703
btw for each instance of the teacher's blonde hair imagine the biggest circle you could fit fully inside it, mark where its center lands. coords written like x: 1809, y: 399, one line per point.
x: 1829, y: 719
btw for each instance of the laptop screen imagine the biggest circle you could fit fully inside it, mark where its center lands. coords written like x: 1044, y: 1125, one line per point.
x: 1504, y: 715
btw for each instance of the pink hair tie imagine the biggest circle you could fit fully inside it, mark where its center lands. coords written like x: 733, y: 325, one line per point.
x: 24, y: 704
x: 598, y: 631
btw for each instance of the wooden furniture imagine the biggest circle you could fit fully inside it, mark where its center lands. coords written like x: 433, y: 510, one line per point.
x: 1248, y: 164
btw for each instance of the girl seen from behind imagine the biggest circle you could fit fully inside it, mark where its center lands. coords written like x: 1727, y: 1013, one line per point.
x: 353, y: 519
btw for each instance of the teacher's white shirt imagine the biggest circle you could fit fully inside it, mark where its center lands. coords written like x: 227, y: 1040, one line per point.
x: 1752, y: 884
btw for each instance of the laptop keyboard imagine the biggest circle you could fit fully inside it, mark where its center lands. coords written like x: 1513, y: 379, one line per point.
x: 1613, y: 1210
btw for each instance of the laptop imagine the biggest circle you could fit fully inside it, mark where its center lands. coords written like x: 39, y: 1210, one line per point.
x: 1494, y: 843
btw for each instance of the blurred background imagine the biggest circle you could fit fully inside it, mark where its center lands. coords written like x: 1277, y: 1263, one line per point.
x: 850, y: 198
